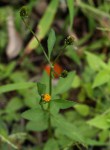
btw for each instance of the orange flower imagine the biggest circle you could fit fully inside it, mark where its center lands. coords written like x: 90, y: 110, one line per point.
x: 46, y: 97
x: 57, y: 68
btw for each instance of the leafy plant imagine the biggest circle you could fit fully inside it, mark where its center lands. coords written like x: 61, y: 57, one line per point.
x: 62, y: 110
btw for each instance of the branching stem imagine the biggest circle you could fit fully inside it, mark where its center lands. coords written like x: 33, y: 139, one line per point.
x: 37, y: 41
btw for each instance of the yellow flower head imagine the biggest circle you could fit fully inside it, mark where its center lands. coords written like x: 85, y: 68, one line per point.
x: 46, y: 97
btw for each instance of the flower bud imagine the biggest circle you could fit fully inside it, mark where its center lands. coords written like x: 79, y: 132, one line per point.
x: 24, y: 12
x: 64, y: 74
x: 69, y: 40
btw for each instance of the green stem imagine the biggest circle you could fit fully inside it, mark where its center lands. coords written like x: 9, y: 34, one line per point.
x: 50, y: 92
x: 50, y: 80
x: 61, y: 51
x: 37, y: 41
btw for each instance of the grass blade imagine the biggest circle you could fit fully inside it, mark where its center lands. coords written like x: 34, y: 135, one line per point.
x: 43, y: 25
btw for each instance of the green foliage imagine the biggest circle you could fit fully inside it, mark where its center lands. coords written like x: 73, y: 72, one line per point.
x: 41, y: 88
x: 33, y: 114
x: 64, y: 84
x: 16, y: 102
x: 82, y: 109
x: 70, y: 4
x: 39, y: 125
x: 51, y: 144
x: 6, y: 71
x: 78, y: 113
x: 62, y: 103
x: 15, y: 86
x: 45, y: 23
x: 101, y: 78
x: 67, y: 129
x: 95, y: 62
x: 51, y: 42
x: 101, y: 121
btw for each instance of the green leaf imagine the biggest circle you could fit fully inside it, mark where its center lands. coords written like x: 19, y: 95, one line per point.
x: 45, y: 80
x: 33, y: 114
x: 54, y: 109
x: 16, y: 86
x: 13, y: 105
x: 64, y: 84
x: 103, y: 135
x: 19, y: 76
x: 9, y: 69
x: 70, y: 4
x: 41, y: 88
x: 101, y: 78
x: 88, y: 89
x: 31, y: 97
x: 67, y: 129
x: 36, y: 126
x: 73, y: 55
x: 51, y: 42
x: 101, y: 121
x: 40, y: 125
x: 44, y: 24
x: 76, y: 82
x: 64, y: 142
x: 63, y: 104
x: 82, y: 109
x: 95, y: 143
x: 96, y: 12
x: 51, y: 144
x: 95, y: 62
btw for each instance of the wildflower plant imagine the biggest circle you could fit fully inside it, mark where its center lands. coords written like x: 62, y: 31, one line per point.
x: 47, y: 126
x: 50, y: 103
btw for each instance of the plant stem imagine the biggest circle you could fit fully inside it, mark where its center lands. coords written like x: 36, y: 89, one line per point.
x: 61, y: 51
x: 50, y: 82
x: 50, y: 92
x: 37, y: 41
x: 50, y: 79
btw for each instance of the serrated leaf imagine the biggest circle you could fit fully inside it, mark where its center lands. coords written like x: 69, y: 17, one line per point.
x: 33, y: 114
x: 41, y: 88
x: 51, y: 42
x: 101, y: 78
